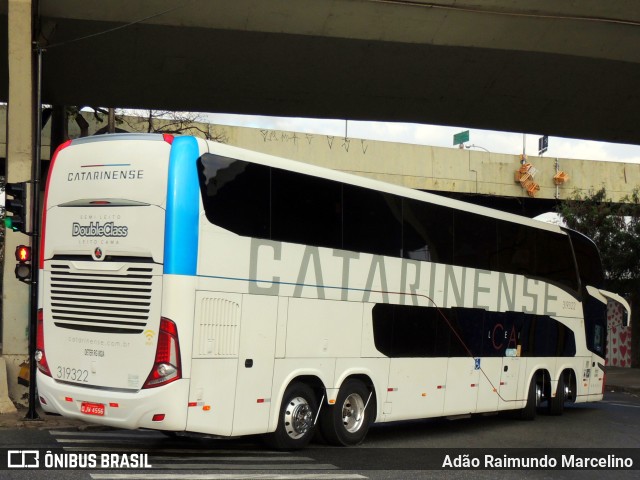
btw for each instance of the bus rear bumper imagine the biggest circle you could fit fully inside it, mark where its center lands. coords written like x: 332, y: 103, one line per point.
x: 160, y: 408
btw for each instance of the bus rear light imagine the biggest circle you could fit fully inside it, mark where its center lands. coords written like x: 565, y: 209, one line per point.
x: 43, y: 225
x: 40, y: 357
x: 166, y: 366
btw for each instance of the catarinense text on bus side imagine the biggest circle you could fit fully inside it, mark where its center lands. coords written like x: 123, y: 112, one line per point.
x: 338, y: 274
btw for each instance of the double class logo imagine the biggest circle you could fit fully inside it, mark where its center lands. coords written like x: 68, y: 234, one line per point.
x: 97, y: 229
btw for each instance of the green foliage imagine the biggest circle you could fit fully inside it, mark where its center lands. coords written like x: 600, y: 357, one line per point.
x: 614, y: 227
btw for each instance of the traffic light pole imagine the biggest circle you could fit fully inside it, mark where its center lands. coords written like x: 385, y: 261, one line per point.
x: 36, y: 170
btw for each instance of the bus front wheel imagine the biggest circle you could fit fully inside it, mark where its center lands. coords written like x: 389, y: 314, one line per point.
x: 296, y: 418
x: 347, y: 421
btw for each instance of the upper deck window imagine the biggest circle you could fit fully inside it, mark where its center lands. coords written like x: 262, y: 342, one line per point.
x: 265, y: 202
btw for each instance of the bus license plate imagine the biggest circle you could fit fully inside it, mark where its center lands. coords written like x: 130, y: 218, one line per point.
x: 92, y: 409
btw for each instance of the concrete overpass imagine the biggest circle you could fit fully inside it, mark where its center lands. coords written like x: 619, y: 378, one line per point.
x: 474, y: 175
x: 546, y: 66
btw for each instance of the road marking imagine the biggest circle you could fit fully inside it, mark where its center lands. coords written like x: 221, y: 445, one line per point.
x: 272, y: 465
x: 622, y: 404
x: 228, y: 476
x: 240, y: 466
x: 118, y: 434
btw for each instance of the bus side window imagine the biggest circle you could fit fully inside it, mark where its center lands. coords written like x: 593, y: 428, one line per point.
x: 595, y: 323
x: 475, y: 241
x: 516, y: 249
x: 427, y: 231
x: 402, y: 331
x: 468, y: 324
x: 306, y: 209
x: 555, y: 259
x: 372, y: 221
x: 235, y: 195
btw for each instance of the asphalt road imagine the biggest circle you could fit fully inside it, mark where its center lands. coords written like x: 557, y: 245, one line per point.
x: 391, y: 451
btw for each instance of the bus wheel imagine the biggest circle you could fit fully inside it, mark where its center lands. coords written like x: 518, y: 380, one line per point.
x: 556, y: 404
x: 347, y: 422
x: 296, y: 418
x: 534, y: 398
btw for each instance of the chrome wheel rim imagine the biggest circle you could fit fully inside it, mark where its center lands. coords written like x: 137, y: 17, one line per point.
x: 353, y: 413
x: 298, y: 417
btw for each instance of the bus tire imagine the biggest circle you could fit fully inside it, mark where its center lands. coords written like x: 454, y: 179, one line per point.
x: 347, y: 421
x: 556, y: 404
x: 533, y: 400
x: 296, y: 419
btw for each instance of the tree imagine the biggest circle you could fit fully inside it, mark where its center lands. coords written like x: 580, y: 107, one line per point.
x: 175, y: 123
x: 615, y: 229
x: 98, y: 120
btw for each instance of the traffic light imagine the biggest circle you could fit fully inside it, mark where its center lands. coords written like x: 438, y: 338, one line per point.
x: 23, y: 267
x: 15, y: 217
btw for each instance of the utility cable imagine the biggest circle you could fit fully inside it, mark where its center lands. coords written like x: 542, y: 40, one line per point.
x: 114, y: 29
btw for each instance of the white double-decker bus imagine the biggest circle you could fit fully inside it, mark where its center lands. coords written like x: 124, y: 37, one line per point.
x: 190, y: 286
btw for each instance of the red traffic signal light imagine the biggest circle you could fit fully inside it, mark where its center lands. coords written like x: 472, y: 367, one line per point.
x: 23, y: 253
x: 23, y: 268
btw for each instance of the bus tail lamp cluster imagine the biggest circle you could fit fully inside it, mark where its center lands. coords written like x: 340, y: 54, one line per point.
x: 166, y: 366
x: 39, y: 356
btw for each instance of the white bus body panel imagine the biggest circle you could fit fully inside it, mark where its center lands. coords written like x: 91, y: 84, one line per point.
x: 105, y: 198
x: 416, y: 388
x: 121, y: 409
x: 323, y: 328
x: 512, y: 380
x: 108, y: 167
x: 489, y: 384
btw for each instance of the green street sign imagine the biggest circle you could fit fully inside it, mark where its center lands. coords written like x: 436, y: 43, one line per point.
x: 461, y: 137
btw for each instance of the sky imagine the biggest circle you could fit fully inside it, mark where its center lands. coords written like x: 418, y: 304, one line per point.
x: 439, y: 136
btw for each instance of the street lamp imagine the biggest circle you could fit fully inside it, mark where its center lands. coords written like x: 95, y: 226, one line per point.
x: 477, y: 146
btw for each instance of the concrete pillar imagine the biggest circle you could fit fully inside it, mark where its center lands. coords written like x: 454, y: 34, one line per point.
x: 20, y: 148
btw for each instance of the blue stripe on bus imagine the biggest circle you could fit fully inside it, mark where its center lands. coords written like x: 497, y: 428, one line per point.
x: 310, y: 285
x: 183, y: 191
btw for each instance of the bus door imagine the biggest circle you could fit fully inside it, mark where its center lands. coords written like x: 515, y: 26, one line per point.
x: 463, y: 378
x: 507, y: 339
x: 255, y: 364
x: 463, y: 372
x: 216, y: 342
x: 416, y: 388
